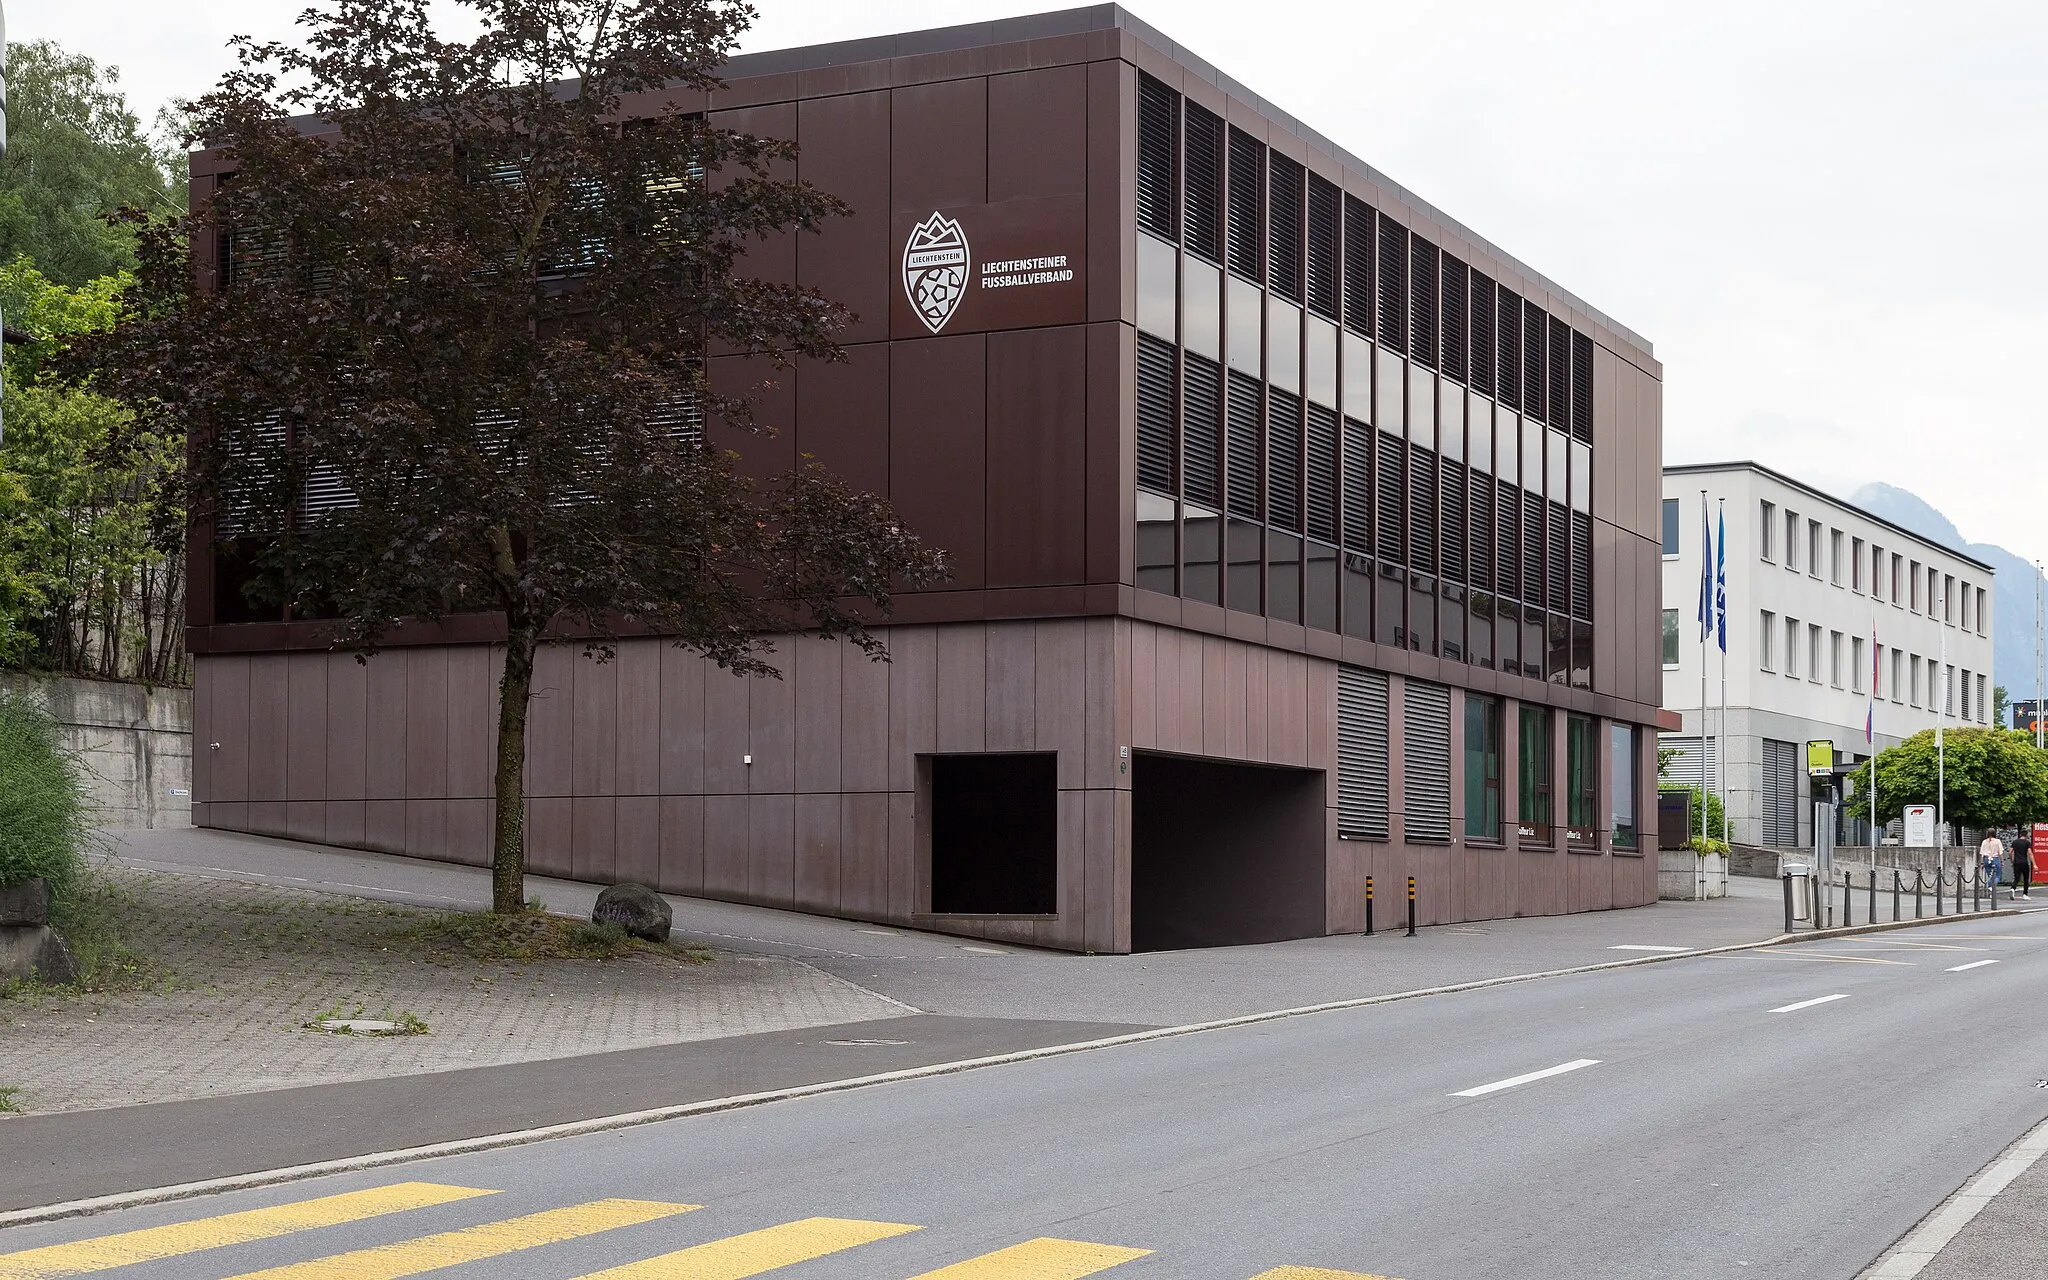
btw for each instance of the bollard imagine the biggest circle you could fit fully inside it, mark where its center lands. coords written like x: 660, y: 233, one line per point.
x: 1848, y: 901
x: 1787, y: 878
x: 1919, y: 880
x: 1411, y: 906
x: 1368, y: 906
x: 1897, y: 884
x: 1872, y: 917
x: 1959, y: 891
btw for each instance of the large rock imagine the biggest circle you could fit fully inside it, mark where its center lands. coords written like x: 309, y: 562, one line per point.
x: 36, y: 951
x: 25, y: 902
x: 635, y: 908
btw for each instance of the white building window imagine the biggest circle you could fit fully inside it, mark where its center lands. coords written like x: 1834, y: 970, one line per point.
x: 1792, y: 647
x: 1813, y: 548
x: 1767, y: 640
x: 1913, y: 586
x: 1983, y: 703
x: 1916, y: 680
x: 1966, y: 694
x: 1856, y: 664
x: 1767, y: 531
x: 1980, y: 612
x: 1898, y: 675
x: 1835, y: 658
x: 1792, y: 541
x: 1835, y: 556
x: 1856, y: 565
x: 1670, y: 638
x: 1813, y: 652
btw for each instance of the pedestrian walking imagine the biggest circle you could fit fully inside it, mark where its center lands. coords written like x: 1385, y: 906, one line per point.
x: 1989, y: 855
x: 2023, y: 866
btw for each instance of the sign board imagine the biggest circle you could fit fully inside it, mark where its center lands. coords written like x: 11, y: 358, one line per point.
x: 1820, y: 759
x: 2040, y: 834
x: 1016, y: 264
x: 1919, y: 824
x: 1675, y: 824
x: 2026, y: 716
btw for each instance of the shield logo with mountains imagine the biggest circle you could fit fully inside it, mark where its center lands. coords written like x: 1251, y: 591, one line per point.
x: 935, y: 261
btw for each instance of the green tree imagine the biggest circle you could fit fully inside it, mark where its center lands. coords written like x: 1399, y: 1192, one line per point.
x: 2001, y: 701
x: 76, y: 154
x: 1990, y: 778
x: 475, y: 313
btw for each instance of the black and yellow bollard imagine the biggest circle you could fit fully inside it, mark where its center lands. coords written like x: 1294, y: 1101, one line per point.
x: 1368, y: 906
x: 1411, y: 906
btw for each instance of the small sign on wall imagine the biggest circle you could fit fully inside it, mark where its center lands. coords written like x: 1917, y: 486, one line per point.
x: 1919, y: 826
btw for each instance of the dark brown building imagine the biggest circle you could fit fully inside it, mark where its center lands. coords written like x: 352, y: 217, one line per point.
x: 1300, y: 537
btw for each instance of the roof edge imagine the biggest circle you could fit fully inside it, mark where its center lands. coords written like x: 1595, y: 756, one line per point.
x: 1748, y: 464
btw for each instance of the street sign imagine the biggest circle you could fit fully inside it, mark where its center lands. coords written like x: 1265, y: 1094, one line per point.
x: 1820, y: 759
x: 1919, y: 826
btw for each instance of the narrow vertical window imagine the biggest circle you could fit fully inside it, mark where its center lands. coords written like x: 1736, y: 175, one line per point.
x: 1767, y: 531
x: 1534, y: 756
x: 1246, y: 229
x: 1283, y: 222
x: 1204, y: 183
x: 1627, y: 769
x: 1582, y: 779
x: 1359, y: 249
x: 1482, y: 767
x: 1766, y: 639
x: 1324, y: 203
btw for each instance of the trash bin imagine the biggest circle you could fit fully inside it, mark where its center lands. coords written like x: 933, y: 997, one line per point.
x: 1802, y: 889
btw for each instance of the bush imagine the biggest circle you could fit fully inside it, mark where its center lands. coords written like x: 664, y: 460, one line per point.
x: 44, y: 813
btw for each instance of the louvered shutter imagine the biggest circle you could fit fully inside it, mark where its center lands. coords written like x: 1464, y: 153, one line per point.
x: 1393, y: 286
x: 1202, y: 432
x: 1391, y: 523
x: 1480, y: 548
x: 1422, y: 282
x: 1357, y: 487
x: 1283, y: 458
x: 1155, y: 414
x: 1508, y: 350
x: 1691, y: 764
x: 1559, y: 366
x: 1244, y: 228
x: 1453, y: 350
x: 1558, y: 573
x: 1426, y: 762
x: 1421, y: 509
x: 324, y: 492
x: 1532, y: 548
x: 681, y: 419
x: 1582, y: 387
x: 252, y: 454
x: 1362, y: 755
x: 1359, y: 248
x: 1158, y: 123
x: 1509, y: 516
x: 1323, y: 277
x: 1535, y: 397
x: 1582, y: 565
x: 1322, y: 473
x: 1283, y: 222
x: 1204, y: 182
x: 1781, y: 793
x: 1482, y: 329
x: 1243, y: 439
x: 1451, y: 499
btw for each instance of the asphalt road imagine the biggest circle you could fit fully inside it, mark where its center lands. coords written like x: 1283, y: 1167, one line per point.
x: 1697, y: 1134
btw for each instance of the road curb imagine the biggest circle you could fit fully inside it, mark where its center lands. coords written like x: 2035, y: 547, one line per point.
x: 655, y: 1115
x: 1910, y: 1255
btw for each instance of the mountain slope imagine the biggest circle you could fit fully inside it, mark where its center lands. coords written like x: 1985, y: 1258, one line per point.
x: 2012, y: 601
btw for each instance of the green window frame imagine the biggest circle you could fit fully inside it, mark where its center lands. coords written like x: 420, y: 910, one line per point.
x: 1482, y: 767
x: 1534, y: 774
x: 1582, y: 778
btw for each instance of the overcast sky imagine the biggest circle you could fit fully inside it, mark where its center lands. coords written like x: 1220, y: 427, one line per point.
x: 1826, y: 215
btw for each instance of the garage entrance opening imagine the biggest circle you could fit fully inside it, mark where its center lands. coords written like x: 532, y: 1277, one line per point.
x: 1224, y: 854
x: 995, y: 834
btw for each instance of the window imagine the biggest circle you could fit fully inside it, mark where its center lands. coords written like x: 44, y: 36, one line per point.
x: 1766, y: 638
x: 1856, y: 664
x: 1482, y: 767
x: 1835, y: 556
x: 1983, y: 703
x: 1363, y: 804
x: 1948, y: 597
x: 1933, y: 591
x: 1835, y: 658
x: 1813, y: 652
x: 1966, y: 694
x: 1898, y: 675
x: 1966, y: 605
x: 1426, y: 762
x: 1627, y: 784
x: 1792, y: 541
x: 1767, y: 530
x: 1582, y: 779
x: 1813, y: 548
x: 1533, y: 776
x: 1915, y: 688
x: 1856, y: 565
x: 1671, y: 637
x: 1876, y: 572
x: 1792, y: 647
x: 1897, y: 560
x: 1158, y: 126
x: 1980, y: 612
x: 1670, y: 527
x: 1948, y: 689
x: 1913, y: 586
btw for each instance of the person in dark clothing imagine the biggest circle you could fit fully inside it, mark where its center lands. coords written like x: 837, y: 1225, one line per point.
x: 2023, y: 866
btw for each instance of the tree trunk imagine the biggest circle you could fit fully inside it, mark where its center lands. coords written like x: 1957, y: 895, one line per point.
x: 508, y: 834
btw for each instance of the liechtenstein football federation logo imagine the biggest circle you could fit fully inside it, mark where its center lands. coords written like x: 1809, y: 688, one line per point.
x: 935, y: 261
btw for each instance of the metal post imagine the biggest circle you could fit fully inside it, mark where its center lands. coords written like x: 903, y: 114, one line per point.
x: 1411, y: 906
x: 1937, y: 894
x: 1368, y: 906
x: 1896, y: 886
x: 1848, y: 901
x: 1786, y: 877
x: 1871, y: 916
x: 1959, y: 889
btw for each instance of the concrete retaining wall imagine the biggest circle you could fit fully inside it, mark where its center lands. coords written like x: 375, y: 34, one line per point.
x: 134, y: 741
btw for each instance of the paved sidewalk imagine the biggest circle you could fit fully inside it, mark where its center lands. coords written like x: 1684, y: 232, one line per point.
x: 247, y: 965
x: 963, y: 977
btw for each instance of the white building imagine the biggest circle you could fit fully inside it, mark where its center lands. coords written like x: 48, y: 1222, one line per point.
x: 1810, y: 581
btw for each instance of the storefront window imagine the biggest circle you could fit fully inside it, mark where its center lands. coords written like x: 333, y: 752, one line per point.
x: 1626, y: 784
x: 1482, y: 767
x: 1582, y: 779
x: 1532, y: 795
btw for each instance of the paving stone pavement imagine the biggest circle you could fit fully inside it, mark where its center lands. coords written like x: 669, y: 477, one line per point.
x: 240, y: 968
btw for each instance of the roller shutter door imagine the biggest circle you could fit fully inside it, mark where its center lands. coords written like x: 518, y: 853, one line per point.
x: 1362, y: 794
x: 1426, y: 763
x: 1780, y: 793
x: 1684, y: 768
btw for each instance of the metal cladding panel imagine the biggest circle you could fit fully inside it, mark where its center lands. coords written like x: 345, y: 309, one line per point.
x: 1363, y: 799
x: 1037, y: 503
x: 1426, y: 762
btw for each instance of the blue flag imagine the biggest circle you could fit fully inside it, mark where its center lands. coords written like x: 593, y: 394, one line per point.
x: 1706, y: 573
x: 1721, y: 581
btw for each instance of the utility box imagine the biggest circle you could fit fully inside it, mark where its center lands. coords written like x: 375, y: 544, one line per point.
x: 1801, y: 876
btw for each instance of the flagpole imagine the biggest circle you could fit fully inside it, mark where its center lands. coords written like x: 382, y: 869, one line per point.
x: 1706, y: 627
x: 1870, y: 719
x: 1941, y: 751
x: 1721, y: 634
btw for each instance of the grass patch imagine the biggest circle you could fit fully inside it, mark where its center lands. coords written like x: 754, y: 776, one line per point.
x: 530, y: 935
x: 97, y: 920
x: 45, y: 820
x: 10, y: 1100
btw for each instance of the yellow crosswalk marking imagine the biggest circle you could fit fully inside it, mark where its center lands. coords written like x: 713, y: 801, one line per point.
x: 1041, y: 1259
x: 1315, y: 1273
x: 152, y: 1243
x: 473, y: 1244
x: 751, y: 1254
